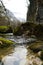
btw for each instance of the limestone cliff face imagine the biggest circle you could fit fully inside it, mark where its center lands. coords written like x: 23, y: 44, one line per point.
x: 7, y: 17
x: 3, y: 15
x: 33, y: 9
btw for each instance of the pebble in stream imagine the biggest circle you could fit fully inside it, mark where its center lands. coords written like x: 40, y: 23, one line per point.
x: 32, y: 59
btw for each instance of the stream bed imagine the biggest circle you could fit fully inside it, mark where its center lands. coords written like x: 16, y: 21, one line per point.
x: 19, y: 54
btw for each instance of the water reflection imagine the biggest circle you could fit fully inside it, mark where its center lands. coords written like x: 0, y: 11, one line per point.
x: 6, y: 51
x: 21, y: 56
x: 18, y: 57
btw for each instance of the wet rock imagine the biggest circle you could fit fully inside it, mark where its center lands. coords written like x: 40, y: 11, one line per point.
x: 16, y: 31
x: 40, y: 54
x: 1, y: 42
x: 37, y: 46
x: 5, y: 42
x: 5, y: 29
x: 33, y: 59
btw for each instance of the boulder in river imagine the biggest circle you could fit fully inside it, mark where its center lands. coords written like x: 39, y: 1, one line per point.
x: 5, y: 42
x: 5, y: 29
x: 36, y: 46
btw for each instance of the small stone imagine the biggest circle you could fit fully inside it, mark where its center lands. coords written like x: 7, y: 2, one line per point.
x: 1, y: 42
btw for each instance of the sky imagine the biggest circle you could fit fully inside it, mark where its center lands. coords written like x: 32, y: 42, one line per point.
x: 18, y: 7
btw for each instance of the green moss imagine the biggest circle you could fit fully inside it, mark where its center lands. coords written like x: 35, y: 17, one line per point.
x: 16, y: 30
x: 5, y: 42
x: 4, y: 29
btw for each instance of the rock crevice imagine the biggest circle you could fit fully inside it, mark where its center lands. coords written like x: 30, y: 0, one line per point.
x: 34, y: 10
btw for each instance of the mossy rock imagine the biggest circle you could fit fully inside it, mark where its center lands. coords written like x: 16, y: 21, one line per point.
x: 5, y: 42
x: 4, y: 29
x: 37, y: 46
x: 16, y: 31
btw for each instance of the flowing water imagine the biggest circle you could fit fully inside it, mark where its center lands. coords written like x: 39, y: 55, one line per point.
x: 19, y: 54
